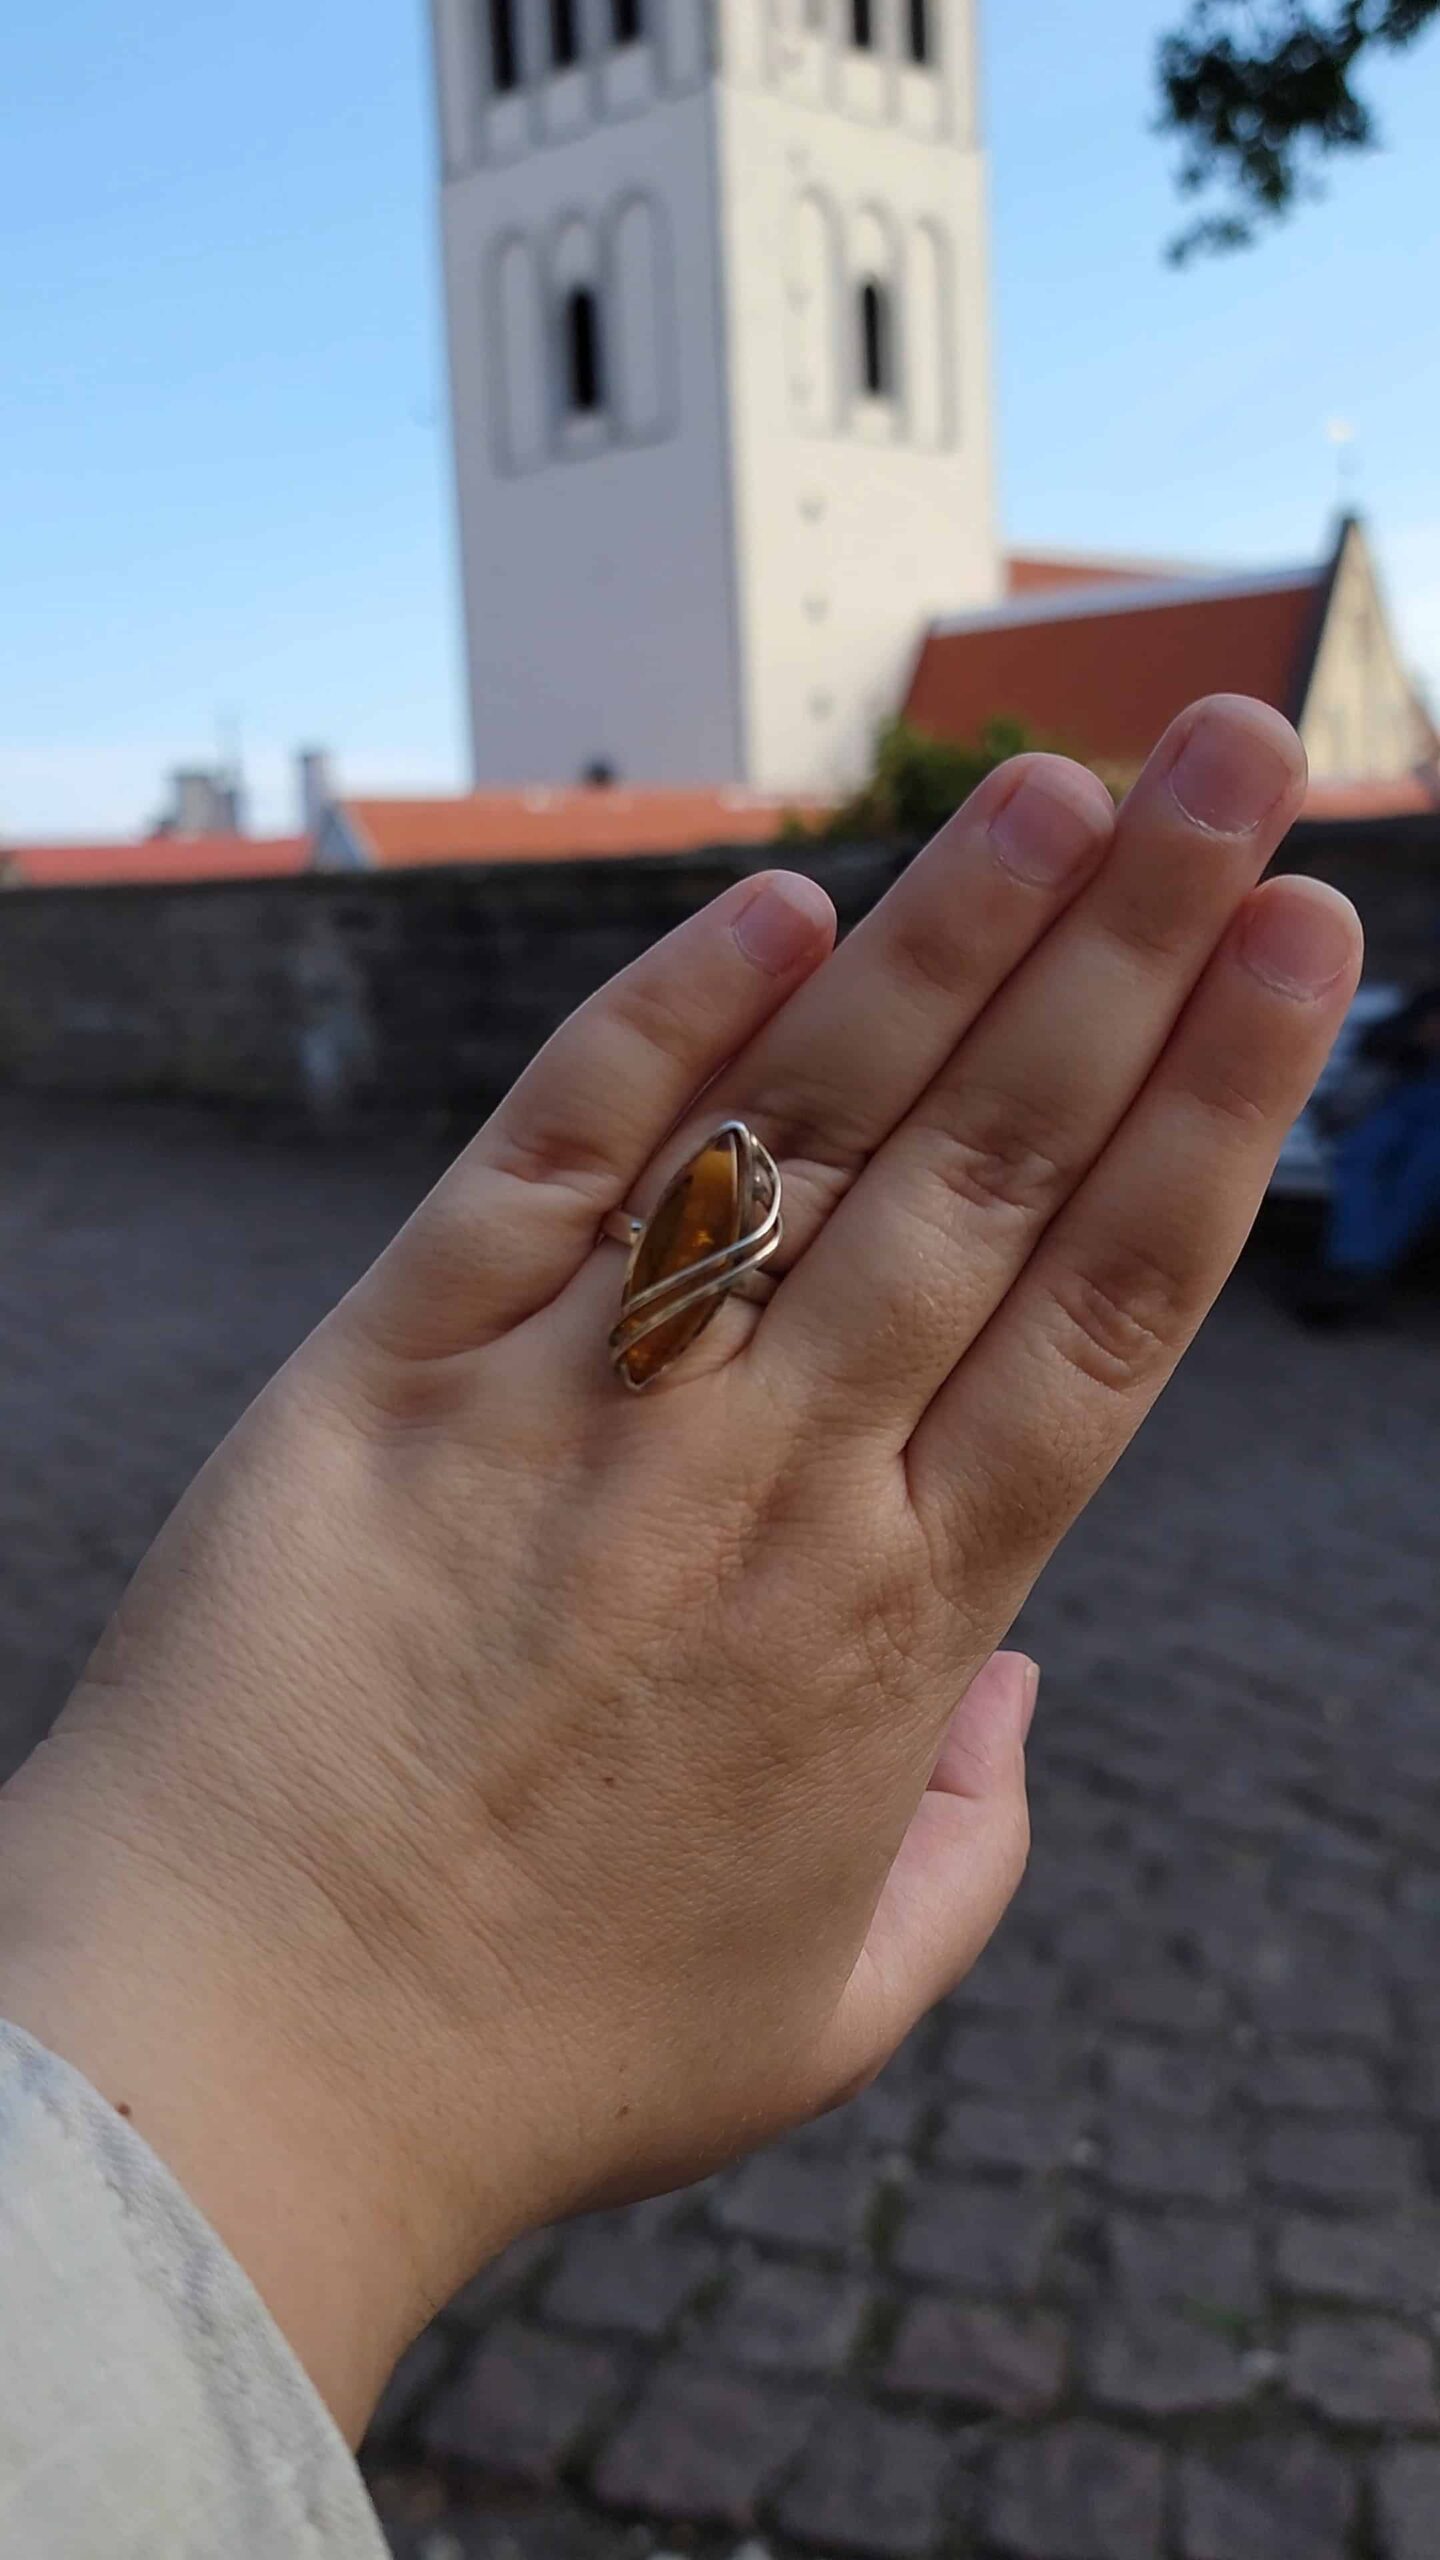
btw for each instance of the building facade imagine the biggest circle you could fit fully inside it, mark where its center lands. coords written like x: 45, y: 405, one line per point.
x: 716, y: 284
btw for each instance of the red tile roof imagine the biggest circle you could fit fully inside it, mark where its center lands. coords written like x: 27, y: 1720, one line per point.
x: 153, y: 859
x: 562, y: 825
x: 1030, y: 573
x: 1102, y: 673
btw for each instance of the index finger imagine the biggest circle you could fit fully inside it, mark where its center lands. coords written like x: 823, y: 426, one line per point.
x: 510, y: 1222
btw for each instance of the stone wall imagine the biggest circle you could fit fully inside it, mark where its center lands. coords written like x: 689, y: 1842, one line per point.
x: 407, y: 989
x: 431, y: 989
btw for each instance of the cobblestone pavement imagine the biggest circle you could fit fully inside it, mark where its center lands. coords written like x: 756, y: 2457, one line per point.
x: 1134, y: 2254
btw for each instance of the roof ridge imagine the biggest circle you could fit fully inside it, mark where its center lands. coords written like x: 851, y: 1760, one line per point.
x: 1078, y: 604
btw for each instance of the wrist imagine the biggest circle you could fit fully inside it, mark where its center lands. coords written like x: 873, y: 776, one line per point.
x: 275, y: 2108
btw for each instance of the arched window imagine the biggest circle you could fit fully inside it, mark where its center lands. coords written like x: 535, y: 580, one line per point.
x: 819, y: 363
x: 584, y: 356
x: 877, y: 367
x: 930, y: 350
x: 504, y: 50
x: 639, y: 326
x: 862, y: 25
x: 564, y: 34
x: 919, y: 32
x: 518, y: 378
x: 627, y: 20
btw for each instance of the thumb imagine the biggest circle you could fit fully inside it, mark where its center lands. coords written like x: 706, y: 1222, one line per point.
x: 957, y: 1869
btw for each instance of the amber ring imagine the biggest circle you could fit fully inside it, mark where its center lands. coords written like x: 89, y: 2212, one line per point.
x: 707, y: 1239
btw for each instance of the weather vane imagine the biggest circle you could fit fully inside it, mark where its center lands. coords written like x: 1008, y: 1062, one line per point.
x: 1341, y: 434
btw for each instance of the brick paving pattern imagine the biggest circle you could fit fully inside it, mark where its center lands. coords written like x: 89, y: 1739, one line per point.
x: 1134, y: 2253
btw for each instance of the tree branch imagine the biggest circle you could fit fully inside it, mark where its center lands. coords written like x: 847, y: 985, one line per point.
x: 1261, y: 89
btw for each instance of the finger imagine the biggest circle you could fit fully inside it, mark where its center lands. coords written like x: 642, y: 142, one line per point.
x: 957, y: 1870
x: 922, y: 1252
x: 824, y: 1082
x: 1035, y: 1417
x: 512, y: 1219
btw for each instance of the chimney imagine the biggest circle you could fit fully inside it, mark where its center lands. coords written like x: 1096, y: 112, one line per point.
x: 233, y: 805
x: 201, y: 802
x: 315, y: 782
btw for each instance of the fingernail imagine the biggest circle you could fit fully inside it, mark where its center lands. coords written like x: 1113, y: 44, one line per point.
x: 1299, y: 941
x: 1231, y: 772
x: 782, y: 924
x: 1032, y: 1692
x: 1044, y: 831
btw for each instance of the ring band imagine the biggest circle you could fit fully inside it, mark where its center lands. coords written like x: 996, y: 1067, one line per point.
x: 707, y: 1239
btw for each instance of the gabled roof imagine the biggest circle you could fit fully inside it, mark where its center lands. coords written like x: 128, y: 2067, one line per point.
x: 1041, y: 572
x: 151, y: 860
x: 1101, y: 670
x: 560, y: 825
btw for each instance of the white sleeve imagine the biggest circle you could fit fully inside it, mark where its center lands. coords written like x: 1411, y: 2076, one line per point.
x: 149, y: 2407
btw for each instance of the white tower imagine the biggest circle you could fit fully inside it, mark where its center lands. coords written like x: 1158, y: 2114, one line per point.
x: 716, y: 280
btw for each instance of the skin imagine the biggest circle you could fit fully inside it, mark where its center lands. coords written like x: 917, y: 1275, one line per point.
x: 498, y: 1794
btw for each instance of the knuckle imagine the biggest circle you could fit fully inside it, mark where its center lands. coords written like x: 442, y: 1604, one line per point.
x: 658, y: 1013
x: 1225, y: 1104
x: 1123, y: 1323
x: 821, y: 1140
x: 993, y: 1152
x: 539, y: 1153
x: 1147, y: 928
x: 924, y: 957
x: 394, y: 1396
x: 815, y: 1134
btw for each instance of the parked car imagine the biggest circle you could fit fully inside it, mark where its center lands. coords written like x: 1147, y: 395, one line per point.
x: 1304, y: 1171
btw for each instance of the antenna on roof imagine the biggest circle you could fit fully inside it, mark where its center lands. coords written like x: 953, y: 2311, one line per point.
x: 230, y: 778
x: 1341, y: 435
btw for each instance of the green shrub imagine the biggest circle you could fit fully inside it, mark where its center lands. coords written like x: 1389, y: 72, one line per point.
x: 917, y: 780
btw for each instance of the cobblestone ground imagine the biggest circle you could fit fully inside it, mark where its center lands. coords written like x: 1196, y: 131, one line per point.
x: 1134, y: 2254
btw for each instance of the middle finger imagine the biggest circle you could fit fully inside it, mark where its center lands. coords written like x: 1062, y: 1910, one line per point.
x: 826, y: 1082
x: 927, y: 1243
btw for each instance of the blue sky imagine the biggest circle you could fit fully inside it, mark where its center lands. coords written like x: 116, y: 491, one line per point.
x: 224, y: 484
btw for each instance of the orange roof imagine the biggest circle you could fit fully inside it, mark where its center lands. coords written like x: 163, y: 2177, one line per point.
x: 1102, y: 673
x: 153, y: 859
x: 562, y: 825
x: 1030, y: 573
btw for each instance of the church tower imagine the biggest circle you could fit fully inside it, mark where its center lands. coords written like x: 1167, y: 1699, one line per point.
x: 716, y: 285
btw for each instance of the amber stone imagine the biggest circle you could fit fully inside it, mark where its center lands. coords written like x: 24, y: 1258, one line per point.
x: 698, y: 1215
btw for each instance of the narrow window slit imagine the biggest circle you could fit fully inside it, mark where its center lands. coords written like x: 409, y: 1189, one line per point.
x: 504, y: 50
x: 584, y: 369
x: 876, y: 366
x: 564, y: 34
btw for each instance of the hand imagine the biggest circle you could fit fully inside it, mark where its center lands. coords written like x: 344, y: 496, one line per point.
x: 498, y: 1793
